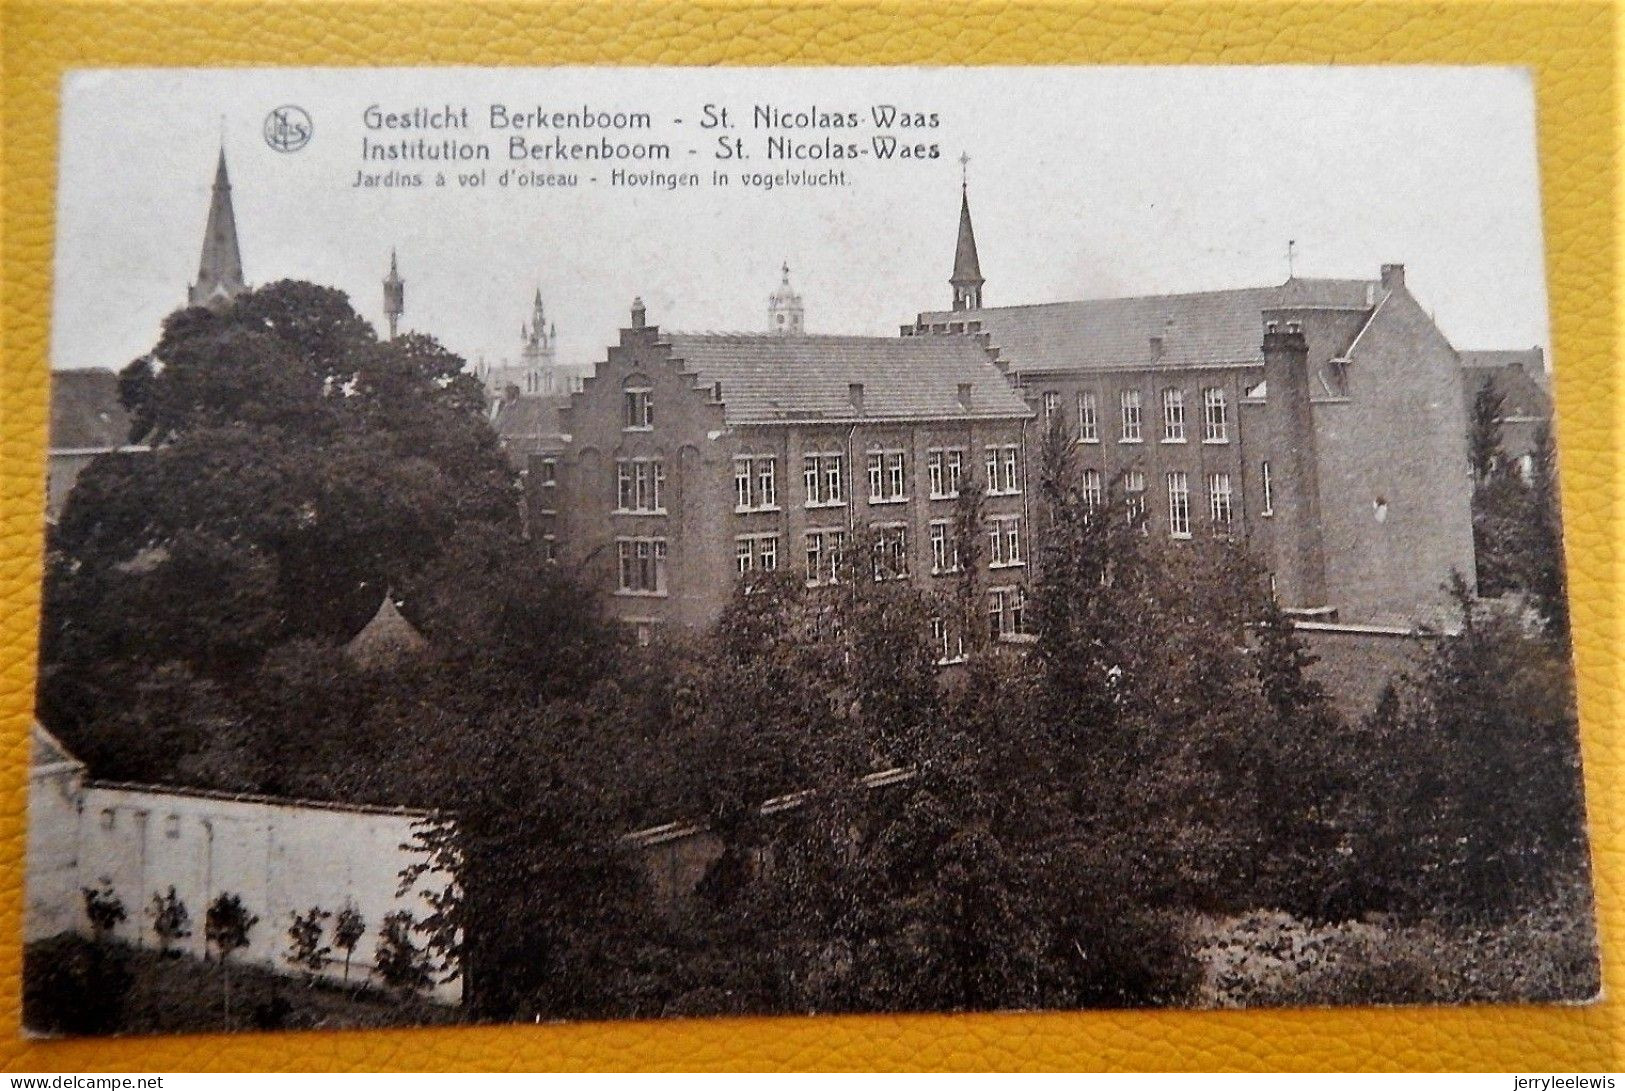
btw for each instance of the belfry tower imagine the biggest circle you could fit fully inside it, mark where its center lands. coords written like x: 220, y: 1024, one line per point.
x: 784, y: 310
x: 967, y: 279
x: 537, y: 352
x: 220, y: 271
x: 394, y: 297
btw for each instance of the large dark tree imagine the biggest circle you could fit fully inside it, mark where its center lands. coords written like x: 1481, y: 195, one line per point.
x: 299, y: 468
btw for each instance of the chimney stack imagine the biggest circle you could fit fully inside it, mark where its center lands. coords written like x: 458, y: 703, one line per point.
x: 638, y: 313
x: 1393, y: 276
x: 1297, y: 543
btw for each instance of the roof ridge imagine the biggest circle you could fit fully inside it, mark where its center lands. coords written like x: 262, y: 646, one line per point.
x: 1165, y: 295
x: 769, y: 335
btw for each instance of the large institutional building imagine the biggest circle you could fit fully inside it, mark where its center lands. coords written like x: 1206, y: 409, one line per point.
x: 696, y: 458
x: 1323, y: 420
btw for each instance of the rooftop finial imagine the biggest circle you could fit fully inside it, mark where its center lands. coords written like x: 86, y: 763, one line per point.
x: 964, y: 170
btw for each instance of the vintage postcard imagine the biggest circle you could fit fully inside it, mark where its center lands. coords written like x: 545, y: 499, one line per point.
x: 551, y: 544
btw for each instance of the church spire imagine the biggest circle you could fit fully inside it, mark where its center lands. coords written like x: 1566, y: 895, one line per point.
x: 394, y: 296
x: 220, y: 271
x: 967, y: 279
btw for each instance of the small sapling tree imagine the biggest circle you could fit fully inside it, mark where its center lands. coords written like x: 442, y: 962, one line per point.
x: 305, y: 947
x: 170, y: 920
x: 226, y: 926
x: 401, y: 963
x: 104, y: 908
x: 348, y: 928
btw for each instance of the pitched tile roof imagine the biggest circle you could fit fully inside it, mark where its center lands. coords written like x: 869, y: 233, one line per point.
x: 768, y: 377
x: 1519, y: 375
x: 85, y: 411
x: 530, y: 417
x: 1198, y: 328
x: 1531, y: 361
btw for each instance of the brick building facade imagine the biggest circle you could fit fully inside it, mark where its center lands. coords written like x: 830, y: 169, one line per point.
x: 1321, y: 419
x: 696, y: 458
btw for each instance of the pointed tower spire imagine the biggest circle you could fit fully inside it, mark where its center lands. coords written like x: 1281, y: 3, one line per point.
x: 220, y: 271
x: 785, y: 314
x: 394, y: 296
x: 967, y: 278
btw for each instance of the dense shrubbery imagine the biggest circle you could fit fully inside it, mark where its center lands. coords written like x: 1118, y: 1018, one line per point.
x: 72, y: 985
x: 1158, y: 755
x: 76, y: 986
x: 1545, y: 952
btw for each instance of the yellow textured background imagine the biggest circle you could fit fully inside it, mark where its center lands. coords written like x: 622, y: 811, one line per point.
x: 1570, y: 48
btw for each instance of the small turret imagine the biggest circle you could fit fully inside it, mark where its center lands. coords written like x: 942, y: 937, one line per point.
x: 394, y: 297
x: 784, y: 311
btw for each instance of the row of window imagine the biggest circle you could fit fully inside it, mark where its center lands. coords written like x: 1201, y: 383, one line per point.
x: 642, y: 561
x: 1220, y: 493
x: 640, y: 482
x: 1215, y: 415
x: 760, y: 552
x: 1221, y: 497
x: 1006, y: 617
x: 823, y: 477
x: 640, y: 486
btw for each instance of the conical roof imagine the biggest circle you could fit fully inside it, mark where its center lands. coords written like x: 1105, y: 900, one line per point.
x: 220, y: 269
x: 967, y: 268
x: 386, y: 639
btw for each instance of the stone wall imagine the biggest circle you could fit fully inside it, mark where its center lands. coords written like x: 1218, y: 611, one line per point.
x: 280, y: 857
x: 1357, y: 661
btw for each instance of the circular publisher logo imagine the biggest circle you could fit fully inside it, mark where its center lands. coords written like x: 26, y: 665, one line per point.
x: 288, y: 128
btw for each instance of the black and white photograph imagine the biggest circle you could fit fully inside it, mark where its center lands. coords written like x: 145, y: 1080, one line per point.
x: 536, y: 545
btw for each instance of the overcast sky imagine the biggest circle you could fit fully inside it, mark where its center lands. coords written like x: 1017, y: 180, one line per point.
x: 1084, y: 182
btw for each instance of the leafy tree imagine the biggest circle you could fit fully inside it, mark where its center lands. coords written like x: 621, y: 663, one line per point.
x: 170, y: 920
x: 1545, y: 574
x: 530, y: 888
x: 1486, y: 812
x: 348, y: 928
x: 104, y: 908
x: 1312, y: 785
x: 1485, y: 453
x: 970, y: 541
x: 226, y: 926
x: 299, y: 467
x: 305, y: 947
x: 400, y: 963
